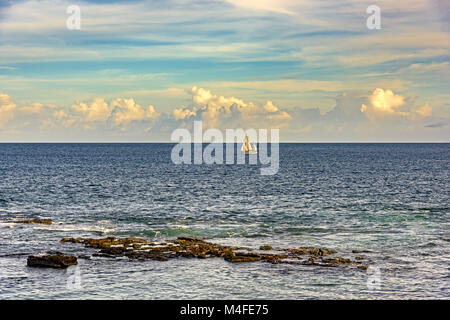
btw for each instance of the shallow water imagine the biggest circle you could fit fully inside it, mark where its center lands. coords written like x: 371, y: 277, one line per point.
x: 391, y: 199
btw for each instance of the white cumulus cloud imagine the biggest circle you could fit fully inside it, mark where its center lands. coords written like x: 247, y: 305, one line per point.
x: 7, y: 108
x: 124, y: 111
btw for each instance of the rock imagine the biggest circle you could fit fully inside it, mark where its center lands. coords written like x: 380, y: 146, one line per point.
x: 243, y: 258
x: 310, y: 251
x: 272, y: 258
x: 201, y: 255
x: 236, y: 259
x: 188, y: 247
x: 189, y: 239
x: 325, y: 251
x: 113, y: 251
x: 33, y: 221
x: 58, y: 261
x: 106, y: 243
x: 360, y: 258
x: 144, y: 255
x: 337, y: 260
x: 363, y: 267
x: 361, y: 251
x: 312, y: 260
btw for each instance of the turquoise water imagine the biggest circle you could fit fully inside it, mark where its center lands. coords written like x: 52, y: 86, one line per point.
x: 390, y: 199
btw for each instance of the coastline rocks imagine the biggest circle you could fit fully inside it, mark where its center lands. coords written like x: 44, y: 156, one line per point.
x: 107, y: 242
x: 363, y: 267
x: 311, y: 251
x: 337, y: 260
x: 360, y: 258
x: 35, y: 221
x: 243, y: 257
x: 361, y: 251
x: 57, y: 261
x: 188, y: 247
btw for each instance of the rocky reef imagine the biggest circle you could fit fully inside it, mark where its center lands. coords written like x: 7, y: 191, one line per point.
x: 187, y: 247
x: 34, y: 221
x: 55, y: 260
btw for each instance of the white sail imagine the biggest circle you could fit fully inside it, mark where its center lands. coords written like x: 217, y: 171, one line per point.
x: 247, y: 147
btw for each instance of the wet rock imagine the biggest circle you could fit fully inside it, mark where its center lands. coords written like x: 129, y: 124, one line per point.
x: 360, y: 258
x: 113, y: 251
x: 243, y: 258
x: 189, y: 239
x: 363, y: 267
x: 310, y: 251
x: 361, y: 251
x: 105, y: 243
x: 147, y: 256
x: 188, y: 247
x: 325, y: 251
x: 312, y: 260
x: 35, y: 221
x: 58, y: 261
x: 274, y: 258
x: 337, y: 260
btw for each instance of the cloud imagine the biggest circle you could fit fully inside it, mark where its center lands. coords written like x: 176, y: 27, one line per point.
x: 96, y: 110
x: 383, y: 104
x: 218, y: 111
x: 182, y: 113
x: 120, y: 112
x: 437, y: 122
x: 205, y: 97
x: 279, y: 6
x: 59, y: 118
x: 420, y: 68
x: 380, y: 114
x: 425, y: 110
x: 125, y: 111
x: 7, y: 108
x: 63, y: 118
x: 384, y: 101
x: 32, y: 108
x: 269, y: 107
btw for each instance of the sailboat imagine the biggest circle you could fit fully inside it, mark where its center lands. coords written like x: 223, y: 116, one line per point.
x: 248, y: 148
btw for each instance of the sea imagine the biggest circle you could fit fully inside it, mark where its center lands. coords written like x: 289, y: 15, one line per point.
x: 389, y: 202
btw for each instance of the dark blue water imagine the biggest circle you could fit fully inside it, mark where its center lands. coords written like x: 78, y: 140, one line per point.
x: 391, y: 199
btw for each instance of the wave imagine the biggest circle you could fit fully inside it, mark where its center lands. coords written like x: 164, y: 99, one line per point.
x: 168, y: 232
x: 72, y: 228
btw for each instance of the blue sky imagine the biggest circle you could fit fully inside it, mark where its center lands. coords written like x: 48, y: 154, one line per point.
x: 223, y: 61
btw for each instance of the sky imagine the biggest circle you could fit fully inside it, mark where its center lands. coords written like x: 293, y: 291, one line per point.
x: 137, y: 70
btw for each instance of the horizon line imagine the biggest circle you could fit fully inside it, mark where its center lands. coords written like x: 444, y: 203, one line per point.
x: 166, y: 142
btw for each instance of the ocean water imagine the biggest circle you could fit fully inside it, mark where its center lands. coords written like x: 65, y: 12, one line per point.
x: 389, y: 199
